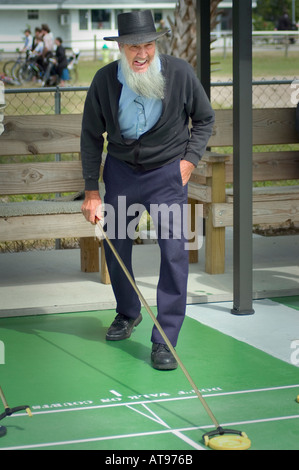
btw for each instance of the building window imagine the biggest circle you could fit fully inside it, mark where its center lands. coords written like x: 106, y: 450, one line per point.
x: 101, y: 19
x: 158, y: 16
x: 83, y: 20
x: 226, y: 20
x: 32, y: 14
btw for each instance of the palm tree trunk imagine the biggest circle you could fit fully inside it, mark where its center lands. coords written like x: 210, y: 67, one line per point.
x: 183, y: 39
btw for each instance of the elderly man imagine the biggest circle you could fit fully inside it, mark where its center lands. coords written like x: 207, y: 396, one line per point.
x: 144, y: 102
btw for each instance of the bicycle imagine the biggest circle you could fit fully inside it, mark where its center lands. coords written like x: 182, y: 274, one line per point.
x: 69, y: 74
x: 30, y: 71
x: 11, y: 67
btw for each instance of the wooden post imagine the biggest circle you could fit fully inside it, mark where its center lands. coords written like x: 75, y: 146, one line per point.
x: 90, y: 262
x: 215, y: 237
x: 89, y: 248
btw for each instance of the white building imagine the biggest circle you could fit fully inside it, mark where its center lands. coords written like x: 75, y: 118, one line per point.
x: 78, y: 24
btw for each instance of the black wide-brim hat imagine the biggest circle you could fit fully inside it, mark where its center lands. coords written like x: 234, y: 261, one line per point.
x: 136, y: 27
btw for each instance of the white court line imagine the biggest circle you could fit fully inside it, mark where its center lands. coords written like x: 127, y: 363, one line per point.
x: 158, y: 420
x: 154, y: 417
x: 188, y: 440
x: 115, y: 393
x: 151, y: 433
x: 160, y: 400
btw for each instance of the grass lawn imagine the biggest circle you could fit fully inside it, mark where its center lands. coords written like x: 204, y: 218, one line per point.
x: 267, y: 64
x: 270, y: 64
x: 87, y: 70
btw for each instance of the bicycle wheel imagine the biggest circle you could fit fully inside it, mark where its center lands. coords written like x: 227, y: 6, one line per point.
x: 8, y: 66
x: 25, y: 73
x: 15, y: 70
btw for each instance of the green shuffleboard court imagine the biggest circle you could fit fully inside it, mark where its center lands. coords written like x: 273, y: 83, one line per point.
x: 89, y: 394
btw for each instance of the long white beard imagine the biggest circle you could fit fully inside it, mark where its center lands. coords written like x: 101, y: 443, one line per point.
x: 149, y: 84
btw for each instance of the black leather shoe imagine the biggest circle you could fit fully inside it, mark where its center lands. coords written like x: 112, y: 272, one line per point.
x: 122, y: 327
x: 162, y: 359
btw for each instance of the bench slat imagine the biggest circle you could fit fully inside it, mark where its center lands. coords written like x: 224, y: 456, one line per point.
x: 270, y: 126
x: 40, y: 178
x: 270, y: 166
x: 265, y: 212
x: 271, y: 193
x: 42, y: 227
x: 199, y: 192
x: 41, y: 134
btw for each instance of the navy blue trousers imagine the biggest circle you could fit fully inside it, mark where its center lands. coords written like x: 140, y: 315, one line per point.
x: 128, y: 192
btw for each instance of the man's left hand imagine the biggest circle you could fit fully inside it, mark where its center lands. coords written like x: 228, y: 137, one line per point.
x: 186, y: 171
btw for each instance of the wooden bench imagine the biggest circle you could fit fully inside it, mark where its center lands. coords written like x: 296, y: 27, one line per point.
x: 59, y: 134
x: 36, y: 220
x: 271, y: 205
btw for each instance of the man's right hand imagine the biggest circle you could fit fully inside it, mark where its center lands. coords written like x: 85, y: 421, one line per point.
x: 91, y: 207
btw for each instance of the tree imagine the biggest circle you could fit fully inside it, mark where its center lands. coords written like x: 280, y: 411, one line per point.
x: 272, y: 10
x: 183, y: 39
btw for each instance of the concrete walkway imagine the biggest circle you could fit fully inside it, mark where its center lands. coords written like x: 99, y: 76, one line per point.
x: 273, y: 329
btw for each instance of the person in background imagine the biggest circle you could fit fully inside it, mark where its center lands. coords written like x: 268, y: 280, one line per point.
x: 285, y: 24
x: 48, y: 44
x: 37, y: 37
x: 38, y: 49
x: 28, y: 41
x: 60, y: 63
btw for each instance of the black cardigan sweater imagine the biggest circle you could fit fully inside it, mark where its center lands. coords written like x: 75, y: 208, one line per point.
x: 168, y: 140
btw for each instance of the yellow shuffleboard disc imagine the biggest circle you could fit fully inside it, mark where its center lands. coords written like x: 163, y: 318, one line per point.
x: 229, y: 442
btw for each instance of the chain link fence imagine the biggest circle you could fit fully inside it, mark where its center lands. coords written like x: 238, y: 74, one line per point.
x: 265, y: 94
x: 69, y: 100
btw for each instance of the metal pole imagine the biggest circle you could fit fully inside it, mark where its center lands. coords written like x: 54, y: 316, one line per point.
x: 242, y: 116
x: 203, y: 50
x: 57, y: 105
x: 57, y: 97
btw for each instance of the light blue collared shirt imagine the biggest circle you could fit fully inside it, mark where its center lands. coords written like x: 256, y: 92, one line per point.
x: 136, y: 114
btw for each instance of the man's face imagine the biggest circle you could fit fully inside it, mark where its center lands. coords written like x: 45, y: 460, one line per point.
x: 140, y: 56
